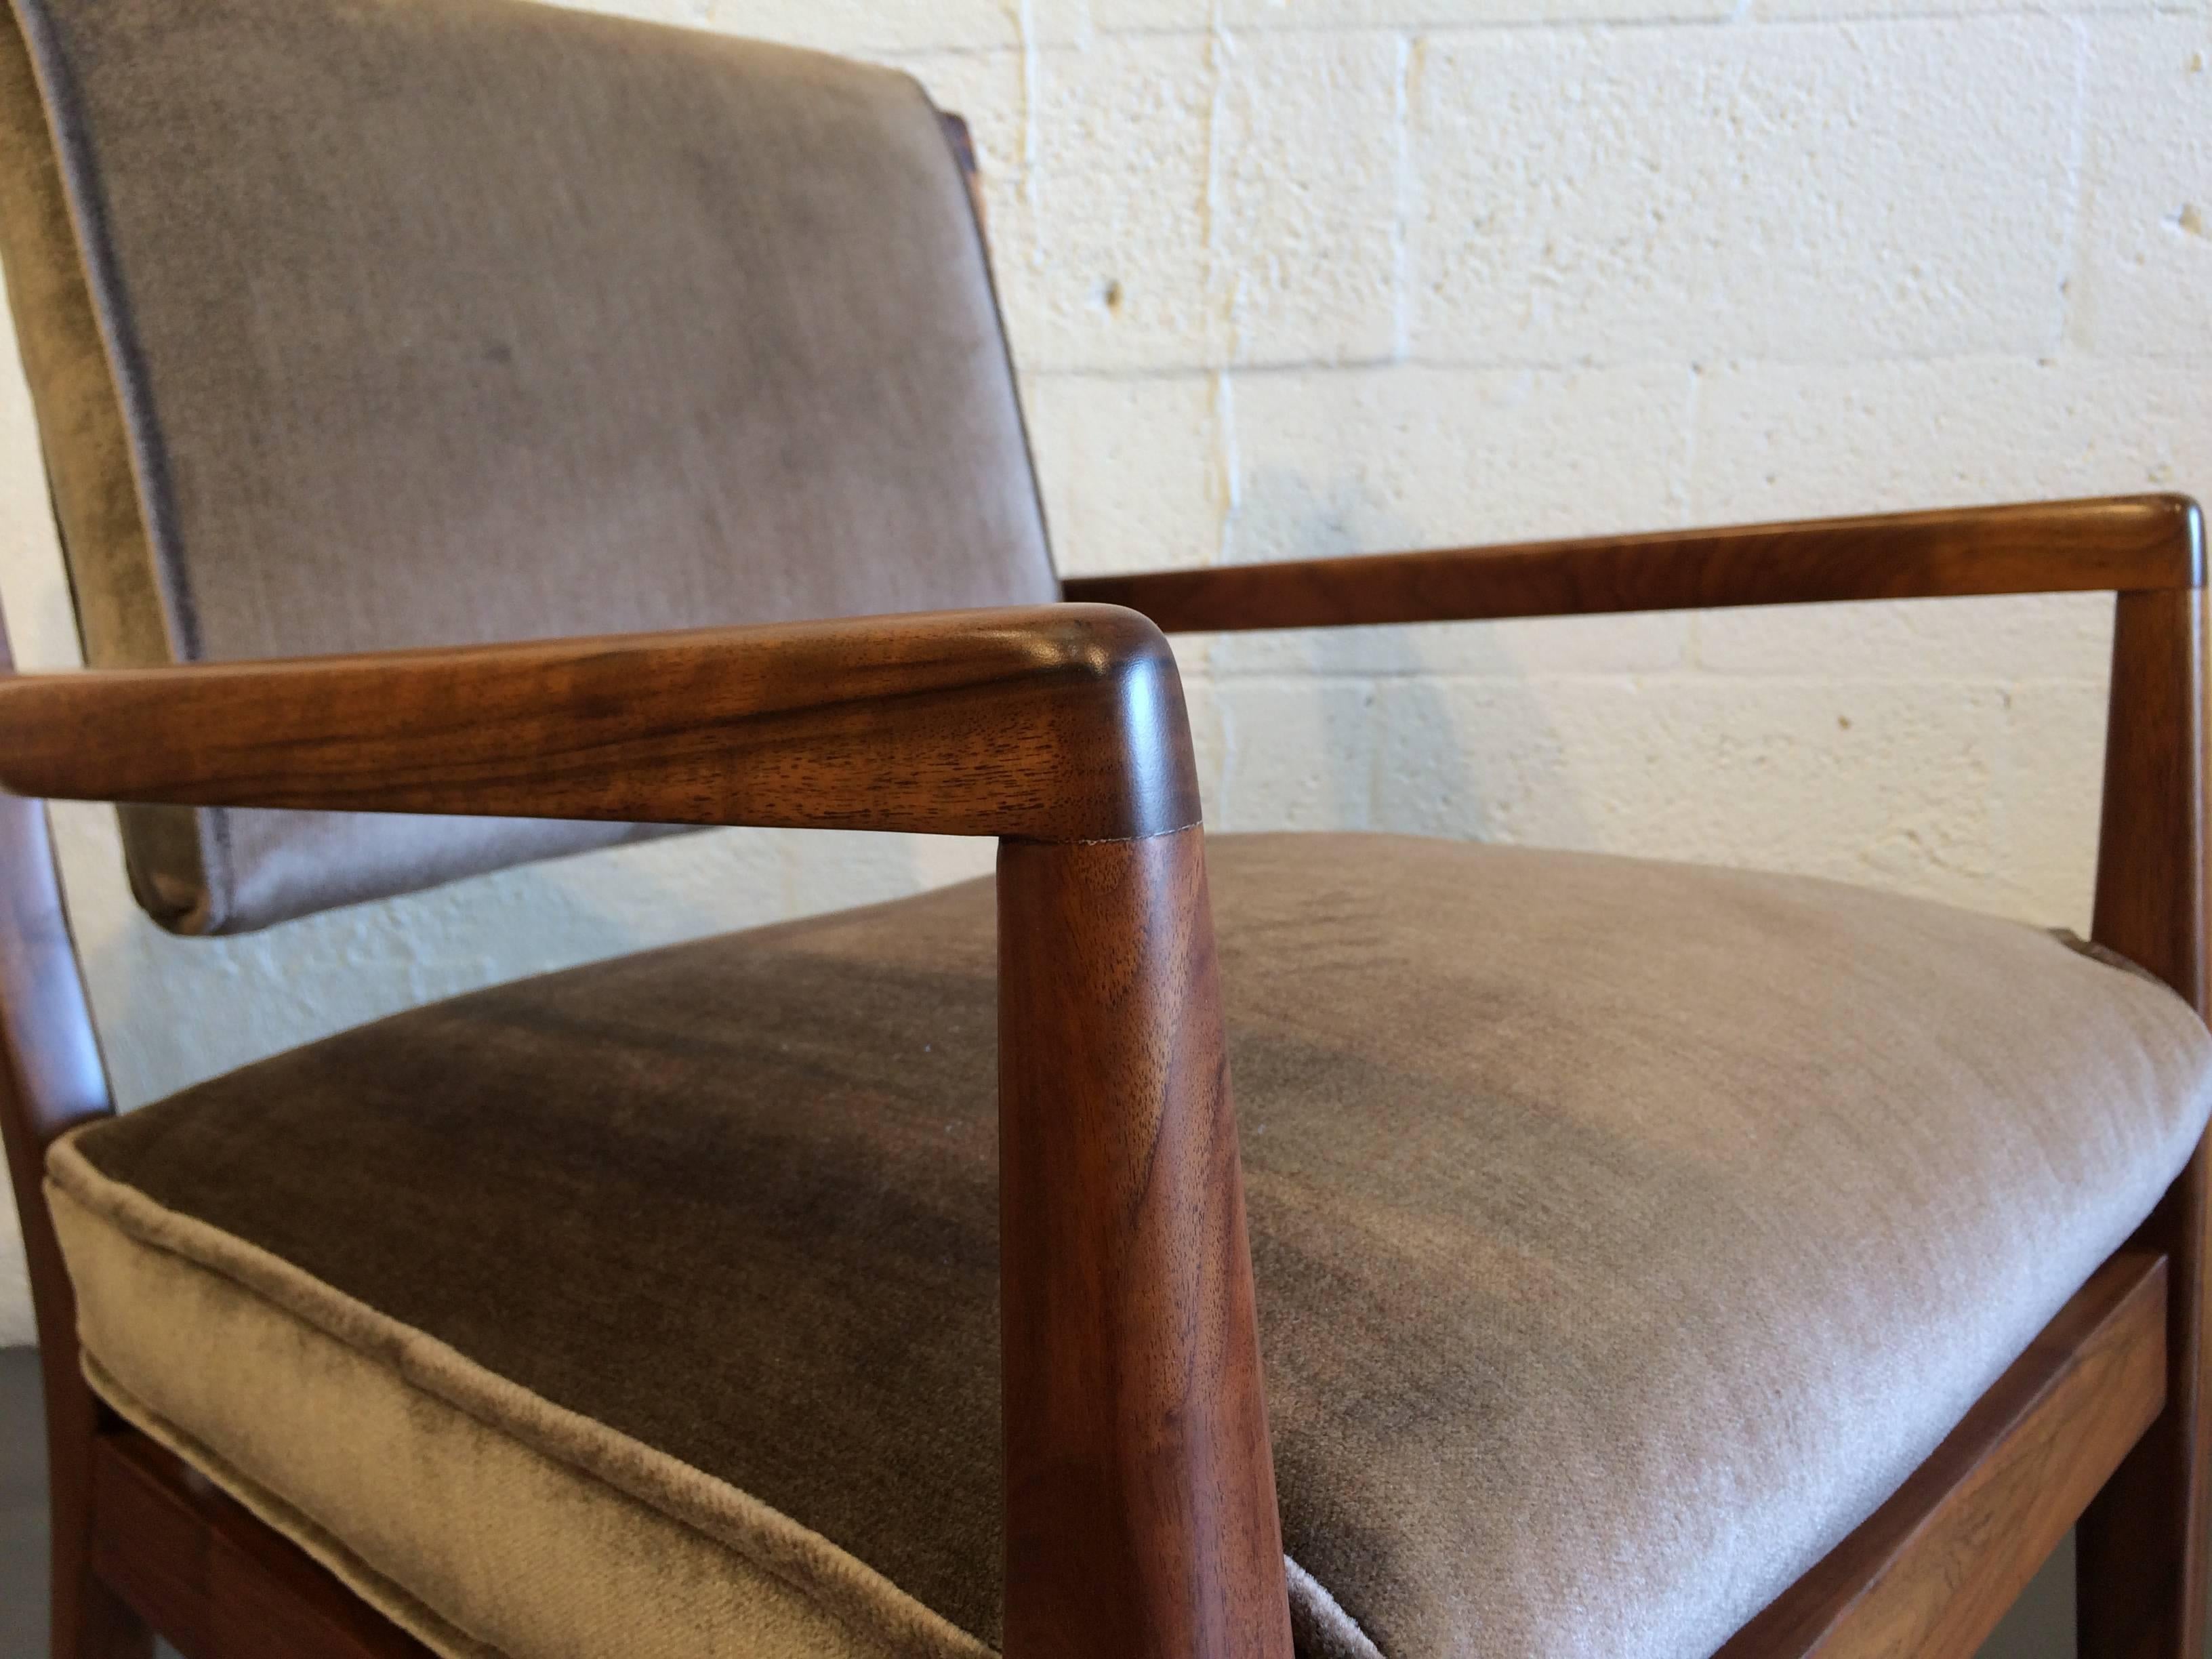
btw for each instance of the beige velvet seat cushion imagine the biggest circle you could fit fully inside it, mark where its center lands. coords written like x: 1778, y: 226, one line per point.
x: 1625, y: 1233
x: 357, y: 325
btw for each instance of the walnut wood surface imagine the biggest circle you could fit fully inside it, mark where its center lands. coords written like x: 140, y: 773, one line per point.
x: 1051, y: 723
x: 2144, y: 1543
x: 218, y: 1582
x: 1932, y: 1571
x: 2111, y: 545
x: 50, y: 1079
x: 1140, y: 1497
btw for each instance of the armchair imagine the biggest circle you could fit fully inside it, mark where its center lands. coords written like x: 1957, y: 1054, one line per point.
x: 1638, y: 1257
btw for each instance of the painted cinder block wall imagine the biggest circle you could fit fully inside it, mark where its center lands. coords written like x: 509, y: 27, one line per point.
x: 1289, y: 277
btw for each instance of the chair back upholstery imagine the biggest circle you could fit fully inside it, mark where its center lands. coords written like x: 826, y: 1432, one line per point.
x: 355, y: 324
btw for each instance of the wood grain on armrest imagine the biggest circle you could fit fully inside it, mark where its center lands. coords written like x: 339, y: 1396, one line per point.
x: 1050, y: 723
x: 2124, y: 544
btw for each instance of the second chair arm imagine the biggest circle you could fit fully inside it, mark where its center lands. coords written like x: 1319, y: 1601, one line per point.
x: 1050, y: 723
x: 2118, y: 544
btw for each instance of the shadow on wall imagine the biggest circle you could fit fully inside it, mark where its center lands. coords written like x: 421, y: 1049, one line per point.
x: 1379, y: 728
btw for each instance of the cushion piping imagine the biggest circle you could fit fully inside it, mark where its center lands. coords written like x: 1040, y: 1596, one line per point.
x: 841, y: 1584
x: 380, y: 1592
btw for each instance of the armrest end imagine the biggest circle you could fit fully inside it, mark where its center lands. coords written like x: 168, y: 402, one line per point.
x: 1048, y: 723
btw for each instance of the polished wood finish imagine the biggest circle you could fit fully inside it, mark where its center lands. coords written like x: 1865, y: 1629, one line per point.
x: 52, y: 1080
x: 2144, y: 1543
x: 1140, y: 1496
x: 1932, y: 1571
x: 217, y: 1582
x: 2151, y: 877
x: 2095, y: 546
x: 1053, y: 723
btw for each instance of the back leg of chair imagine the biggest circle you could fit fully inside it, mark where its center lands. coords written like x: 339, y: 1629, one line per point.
x: 2141, y: 1563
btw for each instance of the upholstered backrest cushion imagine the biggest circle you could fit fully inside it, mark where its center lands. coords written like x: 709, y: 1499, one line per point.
x: 367, y: 323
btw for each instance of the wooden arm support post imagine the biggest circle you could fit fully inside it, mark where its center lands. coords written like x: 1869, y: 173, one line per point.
x: 1140, y: 1502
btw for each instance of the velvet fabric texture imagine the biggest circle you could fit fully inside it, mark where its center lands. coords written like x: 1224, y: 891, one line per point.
x: 554, y: 1534
x: 1623, y: 1232
x: 355, y: 324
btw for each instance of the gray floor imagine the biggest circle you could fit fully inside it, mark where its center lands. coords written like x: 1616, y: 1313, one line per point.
x: 22, y: 1508
x: 2040, y: 1628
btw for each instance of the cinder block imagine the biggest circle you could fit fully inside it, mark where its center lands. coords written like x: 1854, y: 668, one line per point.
x: 2053, y: 636
x: 1777, y: 441
x: 2046, y: 793
x: 1134, y: 470
x: 1388, y: 459
x: 1806, y: 192
x: 1296, y: 755
x: 1115, y: 274
x: 1781, y: 441
x: 2143, y: 279
x: 1308, y: 177
x: 1846, y: 9
x: 1057, y: 22
x: 1473, y: 760
x: 1882, y: 785
x: 1139, y: 16
x: 1287, y: 14
x: 1363, y: 459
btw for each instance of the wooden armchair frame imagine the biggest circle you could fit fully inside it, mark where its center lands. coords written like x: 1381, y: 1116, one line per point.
x: 1139, y: 1500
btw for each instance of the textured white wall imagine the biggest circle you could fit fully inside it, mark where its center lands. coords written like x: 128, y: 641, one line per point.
x: 1302, y: 276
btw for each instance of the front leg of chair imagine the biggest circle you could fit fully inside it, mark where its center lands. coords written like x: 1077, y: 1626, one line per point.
x: 1140, y: 1497
x: 2144, y: 1541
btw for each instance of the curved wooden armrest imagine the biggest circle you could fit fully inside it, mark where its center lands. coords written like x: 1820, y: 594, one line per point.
x: 1140, y: 1507
x: 2124, y: 544
x: 1058, y: 723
